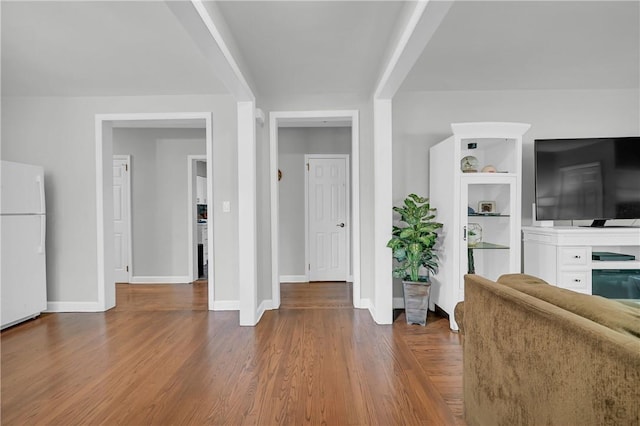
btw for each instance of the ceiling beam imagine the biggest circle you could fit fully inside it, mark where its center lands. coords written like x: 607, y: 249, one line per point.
x: 206, y: 26
x: 417, y: 27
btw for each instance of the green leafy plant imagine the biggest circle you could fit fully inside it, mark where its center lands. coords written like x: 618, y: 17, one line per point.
x: 412, y: 245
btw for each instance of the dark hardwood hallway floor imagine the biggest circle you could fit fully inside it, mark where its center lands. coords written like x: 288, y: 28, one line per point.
x: 161, y: 358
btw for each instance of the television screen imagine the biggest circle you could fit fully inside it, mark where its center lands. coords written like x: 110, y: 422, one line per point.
x: 595, y: 178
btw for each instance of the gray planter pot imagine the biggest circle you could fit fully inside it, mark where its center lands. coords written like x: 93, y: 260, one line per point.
x: 416, y: 301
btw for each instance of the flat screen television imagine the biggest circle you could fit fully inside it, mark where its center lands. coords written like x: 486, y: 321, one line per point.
x: 592, y: 178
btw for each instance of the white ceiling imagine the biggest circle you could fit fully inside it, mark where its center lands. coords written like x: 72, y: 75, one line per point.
x: 311, y: 47
x: 84, y: 48
x: 508, y: 45
x: 297, y: 48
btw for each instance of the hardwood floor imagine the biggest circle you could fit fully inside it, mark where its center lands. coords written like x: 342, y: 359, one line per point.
x: 161, y: 297
x: 316, y: 362
x: 316, y: 295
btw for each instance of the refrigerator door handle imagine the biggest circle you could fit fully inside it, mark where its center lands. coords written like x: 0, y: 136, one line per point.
x: 41, y: 191
x: 43, y: 232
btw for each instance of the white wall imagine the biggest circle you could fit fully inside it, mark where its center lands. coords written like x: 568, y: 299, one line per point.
x: 422, y: 119
x: 59, y: 134
x: 159, y: 194
x: 293, y: 144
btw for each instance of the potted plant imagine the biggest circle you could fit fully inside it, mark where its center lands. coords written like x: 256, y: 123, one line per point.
x: 412, y: 247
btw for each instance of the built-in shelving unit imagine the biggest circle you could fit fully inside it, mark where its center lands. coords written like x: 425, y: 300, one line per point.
x: 461, y: 197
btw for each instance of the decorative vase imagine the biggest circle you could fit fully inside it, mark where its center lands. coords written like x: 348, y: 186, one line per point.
x: 474, y: 233
x: 416, y: 301
x: 469, y: 164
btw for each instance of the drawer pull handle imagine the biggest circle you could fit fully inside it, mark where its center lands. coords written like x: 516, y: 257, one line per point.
x: 577, y: 256
x: 577, y: 280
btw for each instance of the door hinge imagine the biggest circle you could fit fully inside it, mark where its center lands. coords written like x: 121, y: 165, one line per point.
x: 307, y: 166
x: 126, y: 167
x: 127, y: 268
x: 309, y: 266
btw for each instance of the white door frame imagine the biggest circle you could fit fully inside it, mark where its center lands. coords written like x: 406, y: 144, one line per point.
x: 127, y: 160
x: 307, y: 239
x: 279, y: 117
x: 193, y: 214
x: 104, y: 124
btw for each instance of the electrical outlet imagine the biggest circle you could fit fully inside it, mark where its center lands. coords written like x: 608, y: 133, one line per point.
x: 226, y: 206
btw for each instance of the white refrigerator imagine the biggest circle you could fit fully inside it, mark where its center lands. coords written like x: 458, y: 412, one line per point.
x: 23, y: 285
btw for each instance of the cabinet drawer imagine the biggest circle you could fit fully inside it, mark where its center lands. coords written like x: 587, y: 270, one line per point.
x: 573, y: 255
x: 575, y: 280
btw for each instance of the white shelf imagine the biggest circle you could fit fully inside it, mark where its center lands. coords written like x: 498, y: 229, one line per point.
x: 452, y: 192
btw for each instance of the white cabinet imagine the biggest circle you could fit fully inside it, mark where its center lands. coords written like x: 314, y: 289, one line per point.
x: 563, y: 255
x: 474, y: 203
x: 203, y: 249
x: 203, y: 238
x: 201, y: 190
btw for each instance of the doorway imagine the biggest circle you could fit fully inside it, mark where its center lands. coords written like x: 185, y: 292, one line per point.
x: 105, y: 123
x: 198, y: 207
x: 329, y: 119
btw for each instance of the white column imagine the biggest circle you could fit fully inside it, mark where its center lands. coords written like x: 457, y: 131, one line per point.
x: 383, y: 213
x: 247, y: 228
x: 104, y: 220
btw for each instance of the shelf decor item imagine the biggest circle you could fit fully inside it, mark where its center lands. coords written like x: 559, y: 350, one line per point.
x: 486, y: 207
x: 474, y: 231
x: 412, y: 247
x: 489, y: 169
x: 469, y: 164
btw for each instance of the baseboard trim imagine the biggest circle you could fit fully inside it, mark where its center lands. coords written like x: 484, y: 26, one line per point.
x: 226, y: 305
x: 264, y: 306
x: 366, y: 304
x: 180, y: 279
x: 73, y: 307
x: 293, y: 279
x: 398, y: 303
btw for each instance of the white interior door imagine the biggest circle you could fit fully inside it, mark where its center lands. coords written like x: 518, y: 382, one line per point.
x: 328, y: 225
x: 121, y: 218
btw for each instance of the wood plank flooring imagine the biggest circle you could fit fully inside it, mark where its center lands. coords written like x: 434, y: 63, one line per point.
x: 316, y: 362
x: 316, y: 295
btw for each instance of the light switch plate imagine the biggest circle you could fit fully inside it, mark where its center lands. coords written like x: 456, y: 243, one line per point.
x: 226, y: 206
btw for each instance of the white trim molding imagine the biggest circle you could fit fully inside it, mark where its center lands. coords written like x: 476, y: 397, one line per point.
x: 57, y: 306
x: 104, y: 124
x: 368, y: 305
x: 293, y: 279
x: 264, y: 306
x: 226, y: 305
x: 277, y: 118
